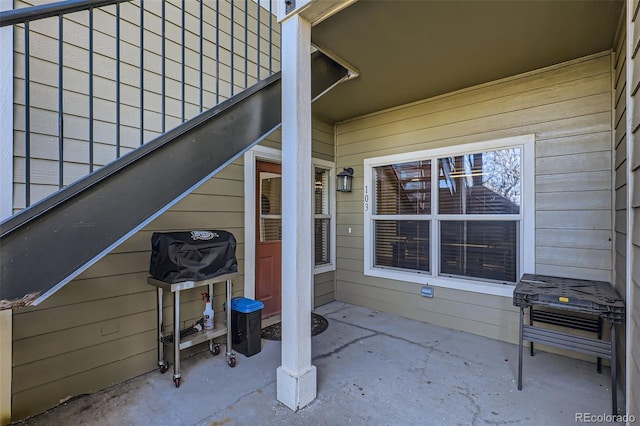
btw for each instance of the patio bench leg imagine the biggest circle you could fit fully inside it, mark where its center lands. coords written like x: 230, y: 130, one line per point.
x: 599, y: 367
x: 520, y: 348
x: 531, y: 323
x: 614, y: 374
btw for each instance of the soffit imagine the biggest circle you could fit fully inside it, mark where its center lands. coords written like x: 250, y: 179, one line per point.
x: 411, y: 50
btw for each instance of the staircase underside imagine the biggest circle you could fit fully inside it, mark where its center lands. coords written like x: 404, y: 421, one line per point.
x: 45, y: 246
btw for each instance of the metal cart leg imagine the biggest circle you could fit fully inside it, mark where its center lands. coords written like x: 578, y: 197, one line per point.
x: 520, y: 351
x: 614, y: 374
x: 176, y: 338
x: 162, y: 364
x: 210, y: 290
x: 231, y: 357
x: 214, y: 348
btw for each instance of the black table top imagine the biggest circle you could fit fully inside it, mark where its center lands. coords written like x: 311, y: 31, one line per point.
x: 595, y: 297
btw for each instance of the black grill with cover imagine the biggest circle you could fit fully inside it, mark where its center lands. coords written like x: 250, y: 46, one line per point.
x: 192, y: 255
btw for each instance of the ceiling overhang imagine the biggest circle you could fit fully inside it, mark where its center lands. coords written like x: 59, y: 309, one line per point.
x: 411, y: 50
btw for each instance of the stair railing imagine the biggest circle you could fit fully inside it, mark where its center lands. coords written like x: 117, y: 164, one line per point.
x: 125, y: 72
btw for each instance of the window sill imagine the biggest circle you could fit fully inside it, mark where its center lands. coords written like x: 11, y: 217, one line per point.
x: 483, y: 287
x: 324, y: 268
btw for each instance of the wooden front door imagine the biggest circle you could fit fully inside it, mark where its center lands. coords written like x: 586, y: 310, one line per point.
x: 269, y: 237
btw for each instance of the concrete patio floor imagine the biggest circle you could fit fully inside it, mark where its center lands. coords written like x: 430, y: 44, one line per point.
x: 373, y: 369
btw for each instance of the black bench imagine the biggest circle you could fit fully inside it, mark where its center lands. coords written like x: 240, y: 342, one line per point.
x: 560, y: 297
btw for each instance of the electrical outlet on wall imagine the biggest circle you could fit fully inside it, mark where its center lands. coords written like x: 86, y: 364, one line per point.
x: 426, y: 291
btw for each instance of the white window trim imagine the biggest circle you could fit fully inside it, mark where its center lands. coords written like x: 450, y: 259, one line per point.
x: 275, y: 155
x: 330, y: 166
x: 527, y: 242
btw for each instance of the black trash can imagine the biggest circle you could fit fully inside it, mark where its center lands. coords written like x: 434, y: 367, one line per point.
x: 246, y: 325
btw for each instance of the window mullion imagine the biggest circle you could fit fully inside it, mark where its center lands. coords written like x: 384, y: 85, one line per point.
x: 423, y: 217
x: 434, y: 251
x: 271, y: 216
x: 479, y: 217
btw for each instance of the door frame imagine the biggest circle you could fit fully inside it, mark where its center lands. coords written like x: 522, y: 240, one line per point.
x: 250, y: 157
x: 263, y: 153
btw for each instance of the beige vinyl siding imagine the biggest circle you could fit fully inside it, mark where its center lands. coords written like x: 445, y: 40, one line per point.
x: 323, y: 148
x: 619, y: 149
x: 633, y: 375
x: 100, y: 329
x: 44, y: 80
x: 323, y: 288
x: 568, y: 109
x: 620, y: 159
x: 6, y: 354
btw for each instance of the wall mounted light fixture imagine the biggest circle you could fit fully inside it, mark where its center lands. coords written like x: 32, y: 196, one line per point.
x: 344, y: 180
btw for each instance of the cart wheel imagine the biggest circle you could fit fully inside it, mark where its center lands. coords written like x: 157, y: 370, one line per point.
x: 232, y: 362
x: 177, y: 381
x: 216, y: 350
x: 164, y: 368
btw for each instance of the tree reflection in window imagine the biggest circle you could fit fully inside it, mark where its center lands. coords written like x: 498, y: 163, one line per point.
x: 481, y: 183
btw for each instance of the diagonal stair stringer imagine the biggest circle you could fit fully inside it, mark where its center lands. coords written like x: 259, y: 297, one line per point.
x: 45, y: 246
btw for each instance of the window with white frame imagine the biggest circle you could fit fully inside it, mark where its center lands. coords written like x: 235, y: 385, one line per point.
x: 323, y: 217
x: 462, y: 213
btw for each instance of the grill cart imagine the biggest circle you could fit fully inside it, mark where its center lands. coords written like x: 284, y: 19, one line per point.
x: 185, y: 260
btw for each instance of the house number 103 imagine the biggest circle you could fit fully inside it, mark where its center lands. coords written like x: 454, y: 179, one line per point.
x: 366, y: 198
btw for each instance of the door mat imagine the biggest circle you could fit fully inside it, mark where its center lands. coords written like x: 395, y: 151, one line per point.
x: 274, y: 331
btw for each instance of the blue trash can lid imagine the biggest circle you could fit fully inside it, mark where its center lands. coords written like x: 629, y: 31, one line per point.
x: 246, y: 305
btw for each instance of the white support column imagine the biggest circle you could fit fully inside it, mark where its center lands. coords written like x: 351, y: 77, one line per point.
x: 6, y: 201
x: 296, y: 377
x: 5, y: 366
x: 6, y: 116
